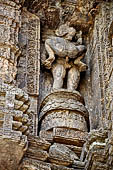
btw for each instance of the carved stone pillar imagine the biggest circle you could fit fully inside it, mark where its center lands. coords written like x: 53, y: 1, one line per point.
x: 29, y: 62
x: 9, y: 28
x: 63, y: 117
x: 14, y: 103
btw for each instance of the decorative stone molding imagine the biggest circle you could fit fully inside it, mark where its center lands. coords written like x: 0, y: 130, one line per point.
x: 10, y: 22
x: 14, y: 125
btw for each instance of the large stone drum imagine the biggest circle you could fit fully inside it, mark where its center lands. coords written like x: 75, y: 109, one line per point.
x: 63, y: 113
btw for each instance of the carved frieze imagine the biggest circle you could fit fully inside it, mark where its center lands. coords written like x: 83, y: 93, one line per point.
x: 69, y: 136
x: 10, y: 22
x: 29, y: 62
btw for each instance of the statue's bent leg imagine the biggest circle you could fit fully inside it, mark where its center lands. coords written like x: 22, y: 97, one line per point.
x: 59, y: 73
x: 73, y: 78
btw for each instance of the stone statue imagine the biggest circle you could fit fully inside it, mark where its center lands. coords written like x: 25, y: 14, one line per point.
x: 66, y: 51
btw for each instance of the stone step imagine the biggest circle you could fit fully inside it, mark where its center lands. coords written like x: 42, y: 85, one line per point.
x: 34, y: 164
x: 39, y: 165
x: 37, y: 154
x: 38, y: 142
x: 37, y: 148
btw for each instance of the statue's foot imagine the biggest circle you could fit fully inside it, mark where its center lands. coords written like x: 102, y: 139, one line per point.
x: 47, y: 63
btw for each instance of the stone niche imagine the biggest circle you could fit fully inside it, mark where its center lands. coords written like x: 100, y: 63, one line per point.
x: 63, y: 117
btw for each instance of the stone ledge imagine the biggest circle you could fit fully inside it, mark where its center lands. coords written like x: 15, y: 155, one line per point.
x: 38, y: 142
x: 37, y: 154
x: 31, y: 164
x: 69, y: 136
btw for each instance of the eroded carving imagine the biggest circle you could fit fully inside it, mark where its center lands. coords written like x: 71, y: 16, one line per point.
x: 14, y: 125
x: 61, y: 154
x: 68, y: 55
x: 9, y: 51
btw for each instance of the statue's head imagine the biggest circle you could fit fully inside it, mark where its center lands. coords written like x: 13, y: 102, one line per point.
x: 66, y: 32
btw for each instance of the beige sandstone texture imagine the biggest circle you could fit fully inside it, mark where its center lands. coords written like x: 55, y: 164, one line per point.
x: 56, y: 85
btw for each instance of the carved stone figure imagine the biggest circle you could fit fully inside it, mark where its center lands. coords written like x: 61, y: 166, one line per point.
x: 65, y: 50
x: 61, y: 46
x: 62, y: 112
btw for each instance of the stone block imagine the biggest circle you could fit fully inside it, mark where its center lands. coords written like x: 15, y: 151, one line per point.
x: 78, y: 165
x: 61, y: 155
x: 37, y: 153
x: 12, y: 152
x: 76, y: 149
x: 69, y: 136
x: 59, y: 167
x: 38, y: 142
x: 30, y: 164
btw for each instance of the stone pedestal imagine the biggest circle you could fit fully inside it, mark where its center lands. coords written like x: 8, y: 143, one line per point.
x: 63, y: 117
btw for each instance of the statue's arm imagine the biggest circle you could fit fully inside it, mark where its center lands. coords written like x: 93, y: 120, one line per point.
x: 48, y: 62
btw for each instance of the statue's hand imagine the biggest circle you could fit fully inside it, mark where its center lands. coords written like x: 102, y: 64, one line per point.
x: 47, y: 64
